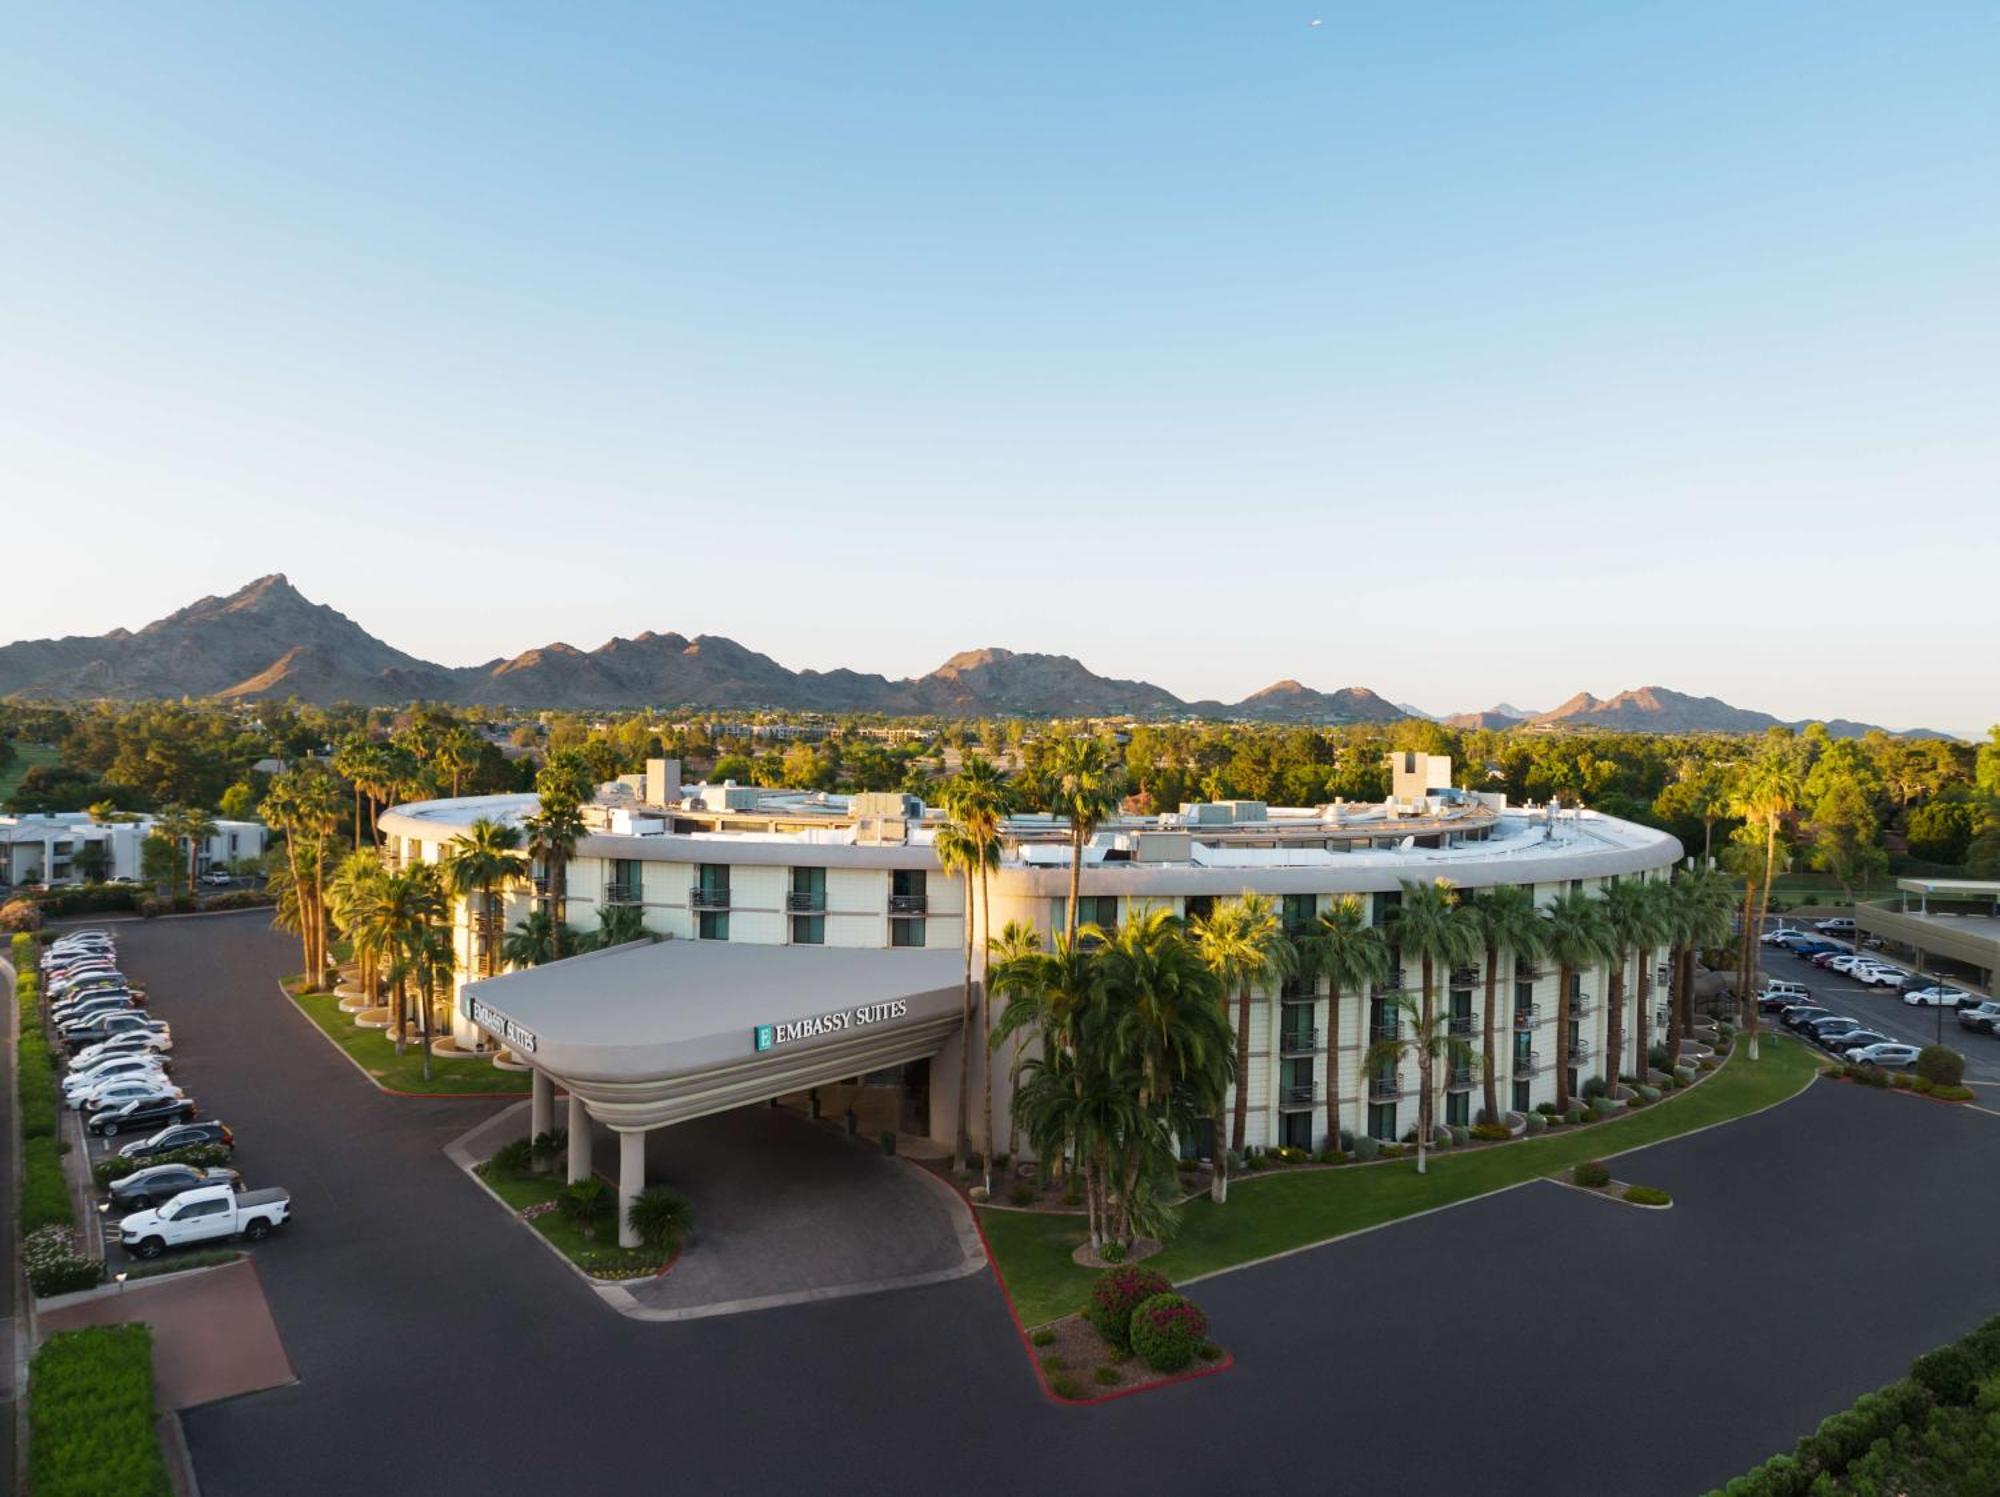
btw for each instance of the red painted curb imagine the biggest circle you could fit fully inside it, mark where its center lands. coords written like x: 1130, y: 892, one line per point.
x: 1227, y: 1361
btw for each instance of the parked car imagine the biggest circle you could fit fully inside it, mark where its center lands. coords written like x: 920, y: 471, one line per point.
x: 141, y: 1112
x: 131, y: 1042
x: 1881, y: 977
x: 1828, y: 958
x: 1799, y: 1013
x: 1851, y: 1040
x: 1780, y: 995
x: 1780, y: 933
x: 1891, y: 1053
x: 1932, y: 997
x: 1846, y: 962
x: 215, y: 878
x: 119, y: 1021
x: 110, y: 1067
x: 157, y: 1184
x: 1837, y: 925
x: 1826, y: 1030
x: 1807, y: 950
x: 114, y: 1091
x: 91, y: 1013
x: 1979, y: 1016
x: 209, y: 1214
x: 180, y: 1136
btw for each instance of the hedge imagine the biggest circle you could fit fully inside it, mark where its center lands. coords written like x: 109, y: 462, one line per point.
x: 1920, y: 1420
x: 1115, y: 1295
x: 44, y: 1193
x: 90, y: 1415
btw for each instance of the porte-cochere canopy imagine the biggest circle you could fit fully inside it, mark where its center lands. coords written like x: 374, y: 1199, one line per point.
x: 659, y: 1033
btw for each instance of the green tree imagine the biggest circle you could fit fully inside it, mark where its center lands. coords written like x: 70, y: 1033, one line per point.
x: 1429, y: 923
x: 1352, y: 956
x: 1086, y: 784
x: 1635, y: 924
x: 1243, y: 942
x: 1574, y: 934
x: 1846, y: 839
x: 479, y: 863
x: 1425, y: 1035
x: 1508, y: 922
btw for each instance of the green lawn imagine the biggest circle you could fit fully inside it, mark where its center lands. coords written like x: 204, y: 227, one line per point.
x: 599, y: 1256
x: 1270, y: 1213
x: 404, y: 1073
x: 26, y: 756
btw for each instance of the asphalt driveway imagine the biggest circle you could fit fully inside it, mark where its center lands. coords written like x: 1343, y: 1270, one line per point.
x: 1535, y: 1341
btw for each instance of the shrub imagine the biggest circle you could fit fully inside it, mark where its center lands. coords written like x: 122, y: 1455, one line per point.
x: 45, y: 1199
x: 1950, y: 1374
x: 1684, y: 1075
x: 515, y: 1158
x: 1647, y: 1195
x: 1064, y: 1386
x: 1636, y: 1100
x: 1460, y: 1134
x: 1392, y: 1151
x: 182, y: 1262
x: 1253, y: 1161
x: 1112, y: 1252
x: 1592, y: 1173
x: 90, y: 1415
x: 1366, y: 1148
x: 1107, y: 1375
x: 1546, y: 1109
x: 661, y: 1217
x: 117, y: 1168
x: 1902, y: 1081
x: 1657, y: 1057
x: 1574, y: 1115
x: 1054, y: 1363
x: 1167, y: 1330
x: 1593, y: 1087
x: 1116, y: 1293
x: 53, y: 1264
x: 1490, y: 1133
x: 1043, y: 1337
x: 586, y: 1203
x: 1952, y: 1093
x: 545, y: 1146
x: 1208, y: 1351
x: 1538, y: 1122
x: 1940, y: 1065
x: 1602, y: 1107
x: 1347, y: 1141
x: 1020, y: 1193
x: 20, y: 915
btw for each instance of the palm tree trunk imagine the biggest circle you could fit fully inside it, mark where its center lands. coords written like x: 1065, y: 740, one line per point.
x: 1614, y: 1039
x: 1075, y: 877
x: 986, y: 1023
x: 1426, y: 1105
x: 965, y: 1041
x: 1563, y: 976
x: 1333, y: 1065
x: 1642, y: 1061
x: 424, y: 1025
x: 1423, y: 1095
x: 1491, y: 1088
x: 1240, y: 1118
x: 1673, y: 1007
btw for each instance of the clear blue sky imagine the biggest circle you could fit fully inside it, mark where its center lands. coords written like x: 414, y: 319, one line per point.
x: 1463, y: 350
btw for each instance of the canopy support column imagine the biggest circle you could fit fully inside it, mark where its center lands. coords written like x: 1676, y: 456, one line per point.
x: 541, y: 1105
x: 631, y: 1181
x: 579, y: 1139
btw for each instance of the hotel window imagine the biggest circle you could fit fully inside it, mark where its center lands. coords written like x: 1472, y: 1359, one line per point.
x: 1197, y: 907
x: 808, y: 906
x: 625, y: 883
x: 1380, y: 906
x: 1382, y: 1121
x: 909, y: 902
x: 1521, y: 1096
x: 710, y: 897
x: 1457, y: 1109
x: 1091, y: 909
x: 1295, y: 1130
x: 1300, y: 912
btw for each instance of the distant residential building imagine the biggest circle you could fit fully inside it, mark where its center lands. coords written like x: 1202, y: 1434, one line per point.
x: 48, y: 848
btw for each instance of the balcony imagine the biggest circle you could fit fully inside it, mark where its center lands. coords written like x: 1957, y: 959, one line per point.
x: 1461, y: 1026
x: 1579, y: 1052
x: 1527, y: 1017
x: 1300, y: 1041
x: 703, y: 898
x: 1384, y: 1089
x: 1661, y: 1018
x: 1392, y: 980
x: 908, y: 906
x: 1381, y: 1033
x: 1528, y: 1064
x: 806, y: 902
x: 619, y: 894
x: 1581, y: 1006
x: 1464, y: 977
x: 1299, y: 1096
x: 1458, y: 1079
x: 1529, y: 972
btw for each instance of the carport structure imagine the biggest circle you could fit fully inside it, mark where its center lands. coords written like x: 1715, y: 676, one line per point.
x: 648, y: 1035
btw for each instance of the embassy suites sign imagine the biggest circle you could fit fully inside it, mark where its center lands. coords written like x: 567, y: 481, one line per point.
x: 515, y: 1036
x: 770, y: 1036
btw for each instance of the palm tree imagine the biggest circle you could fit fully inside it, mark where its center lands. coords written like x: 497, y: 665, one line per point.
x: 1430, y: 924
x: 1086, y: 784
x: 1633, y: 922
x: 1244, y: 943
x: 478, y: 864
x: 981, y: 801
x: 533, y: 941
x: 304, y: 804
x: 1509, y: 922
x: 1574, y: 934
x: 1013, y: 972
x: 457, y: 751
x: 1767, y: 793
x: 555, y: 828
x: 355, y: 885
x: 406, y: 917
x: 1426, y: 1035
x: 1704, y: 905
x: 961, y: 852
x: 188, y: 828
x: 619, y: 925
x: 350, y: 762
x: 1351, y: 955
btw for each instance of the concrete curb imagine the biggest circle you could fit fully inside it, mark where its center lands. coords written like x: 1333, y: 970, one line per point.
x: 616, y: 1297
x: 292, y: 1003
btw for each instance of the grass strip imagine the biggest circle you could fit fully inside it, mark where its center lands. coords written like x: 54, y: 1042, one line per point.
x: 1274, y: 1212
x: 375, y: 1053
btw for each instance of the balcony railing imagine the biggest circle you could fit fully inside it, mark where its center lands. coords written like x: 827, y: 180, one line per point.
x: 1377, y: 1033
x: 1579, y: 1052
x: 1661, y: 1018
x: 1299, y: 1096
x: 908, y: 906
x: 1297, y: 1041
x: 703, y: 898
x: 616, y: 895
x: 1581, y: 1006
x: 1527, y: 1065
x: 1391, y: 980
x: 1461, y: 1026
x: 1459, y: 1079
x: 1529, y: 972
x: 1384, y: 1089
x: 1527, y: 1016
x: 1464, y: 977
x: 806, y: 902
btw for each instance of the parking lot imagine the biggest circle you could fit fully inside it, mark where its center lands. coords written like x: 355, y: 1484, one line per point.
x: 1883, y: 1010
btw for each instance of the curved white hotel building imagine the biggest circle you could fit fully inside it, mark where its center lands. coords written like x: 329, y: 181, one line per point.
x: 814, y: 942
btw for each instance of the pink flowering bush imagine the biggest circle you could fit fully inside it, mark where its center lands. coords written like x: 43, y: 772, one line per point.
x: 1116, y: 1294
x: 1167, y: 1331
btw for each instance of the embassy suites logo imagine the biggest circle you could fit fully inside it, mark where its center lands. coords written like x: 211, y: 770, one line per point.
x: 770, y: 1036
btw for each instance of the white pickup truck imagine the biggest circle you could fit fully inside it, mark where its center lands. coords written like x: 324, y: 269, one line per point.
x: 204, y: 1215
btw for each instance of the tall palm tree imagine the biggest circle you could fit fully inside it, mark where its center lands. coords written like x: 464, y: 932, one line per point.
x: 456, y: 752
x: 1352, y: 956
x: 1243, y: 942
x: 355, y: 885
x: 478, y: 864
x: 1430, y: 924
x: 963, y: 853
x: 1632, y: 923
x: 188, y: 828
x: 1766, y: 794
x: 1426, y: 1035
x: 981, y: 800
x: 1509, y: 922
x: 533, y: 941
x: 1575, y: 935
x: 1704, y: 906
x: 1013, y: 973
x: 1086, y: 784
x: 553, y: 831
x: 350, y: 762
x: 304, y: 805
x: 619, y: 925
